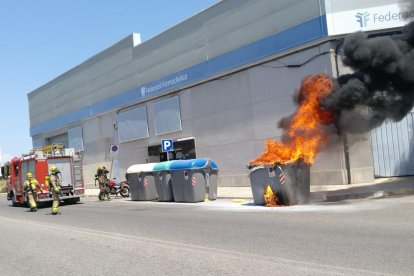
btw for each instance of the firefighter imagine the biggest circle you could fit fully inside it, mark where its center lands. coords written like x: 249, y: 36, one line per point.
x: 29, y: 189
x: 55, y: 187
x: 101, y: 176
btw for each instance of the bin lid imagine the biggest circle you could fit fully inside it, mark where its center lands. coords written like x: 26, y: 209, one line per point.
x: 181, y: 164
x: 137, y: 168
x: 204, y: 163
x: 198, y: 163
x: 214, y: 165
x: 163, y: 166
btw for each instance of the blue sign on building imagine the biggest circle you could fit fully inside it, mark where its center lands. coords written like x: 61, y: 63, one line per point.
x: 167, y: 145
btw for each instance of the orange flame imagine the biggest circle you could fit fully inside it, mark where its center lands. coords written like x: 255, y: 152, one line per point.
x: 270, y: 197
x: 305, y: 134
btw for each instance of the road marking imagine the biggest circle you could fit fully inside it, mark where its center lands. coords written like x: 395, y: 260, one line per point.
x: 238, y: 200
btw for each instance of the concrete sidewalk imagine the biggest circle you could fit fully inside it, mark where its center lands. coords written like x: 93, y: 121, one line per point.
x: 381, y: 187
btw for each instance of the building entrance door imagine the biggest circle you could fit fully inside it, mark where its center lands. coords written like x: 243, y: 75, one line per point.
x: 183, y: 149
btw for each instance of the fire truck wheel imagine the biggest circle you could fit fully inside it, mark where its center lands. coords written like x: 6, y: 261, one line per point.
x: 72, y: 200
x: 14, y: 202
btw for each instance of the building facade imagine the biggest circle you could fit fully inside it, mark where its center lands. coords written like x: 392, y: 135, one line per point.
x: 217, y: 84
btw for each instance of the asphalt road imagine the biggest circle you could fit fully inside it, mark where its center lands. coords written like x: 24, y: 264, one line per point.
x: 121, y: 237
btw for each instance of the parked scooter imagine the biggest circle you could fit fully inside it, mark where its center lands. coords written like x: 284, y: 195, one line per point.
x: 121, y: 188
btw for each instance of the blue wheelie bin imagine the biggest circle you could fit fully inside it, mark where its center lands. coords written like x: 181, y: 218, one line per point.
x: 142, y: 182
x: 162, y: 176
x: 193, y: 179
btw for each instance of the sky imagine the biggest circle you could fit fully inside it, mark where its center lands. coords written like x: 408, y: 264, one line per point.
x: 42, y: 39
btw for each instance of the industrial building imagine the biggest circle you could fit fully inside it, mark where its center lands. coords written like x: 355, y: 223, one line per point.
x: 217, y: 84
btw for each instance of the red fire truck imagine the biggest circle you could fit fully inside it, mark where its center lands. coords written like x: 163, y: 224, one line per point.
x: 38, y: 163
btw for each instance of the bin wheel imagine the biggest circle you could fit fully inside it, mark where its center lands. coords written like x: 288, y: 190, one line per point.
x: 124, y: 192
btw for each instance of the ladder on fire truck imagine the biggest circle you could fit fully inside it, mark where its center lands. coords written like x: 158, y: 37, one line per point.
x: 77, y: 170
x: 52, y: 150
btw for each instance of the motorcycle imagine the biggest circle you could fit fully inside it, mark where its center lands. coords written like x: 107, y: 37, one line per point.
x: 121, y: 188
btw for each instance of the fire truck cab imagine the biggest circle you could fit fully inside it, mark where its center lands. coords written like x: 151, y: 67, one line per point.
x: 38, y: 162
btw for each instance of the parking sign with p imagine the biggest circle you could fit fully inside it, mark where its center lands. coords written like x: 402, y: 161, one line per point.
x: 167, y: 145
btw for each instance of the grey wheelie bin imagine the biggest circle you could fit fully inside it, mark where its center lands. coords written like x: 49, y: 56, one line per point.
x: 210, y: 171
x: 291, y: 182
x: 162, y: 176
x: 142, y: 182
x: 194, y: 180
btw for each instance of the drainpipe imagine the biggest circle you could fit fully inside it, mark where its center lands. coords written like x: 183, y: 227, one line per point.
x: 344, y: 137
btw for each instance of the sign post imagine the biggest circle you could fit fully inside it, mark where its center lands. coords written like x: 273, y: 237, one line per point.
x: 113, y: 151
x: 115, y: 169
x: 167, y: 146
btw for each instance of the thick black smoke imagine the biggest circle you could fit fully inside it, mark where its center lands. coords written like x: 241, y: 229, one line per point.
x: 383, y: 80
x: 406, y: 5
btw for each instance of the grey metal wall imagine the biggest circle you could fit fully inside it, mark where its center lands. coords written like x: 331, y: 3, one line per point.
x: 229, y: 117
x: 225, y: 26
x: 244, y: 109
x: 393, y: 148
x: 109, y: 73
x: 98, y: 135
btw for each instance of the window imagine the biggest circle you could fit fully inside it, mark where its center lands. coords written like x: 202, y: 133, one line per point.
x: 37, y: 142
x: 76, y: 138
x: 59, y: 139
x: 132, y: 124
x: 167, y: 116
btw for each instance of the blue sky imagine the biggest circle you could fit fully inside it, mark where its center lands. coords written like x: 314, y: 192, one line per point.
x: 42, y: 39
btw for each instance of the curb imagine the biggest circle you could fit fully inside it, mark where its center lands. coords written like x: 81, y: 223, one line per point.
x: 326, y: 197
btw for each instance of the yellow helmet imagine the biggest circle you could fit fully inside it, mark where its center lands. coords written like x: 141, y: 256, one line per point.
x: 99, y: 167
x: 47, y: 177
x: 29, y: 175
x: 52, y: 168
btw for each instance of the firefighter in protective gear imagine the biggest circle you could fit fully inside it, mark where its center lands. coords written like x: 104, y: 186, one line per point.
x: 101, y: 176
x: 55, y: 187
x: 30, y: 186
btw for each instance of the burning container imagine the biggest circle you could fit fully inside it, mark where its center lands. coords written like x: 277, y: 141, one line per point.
x: 162, y: 175
x: 291, y: 182
x: 142, y: 182
x: 194, y: 179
